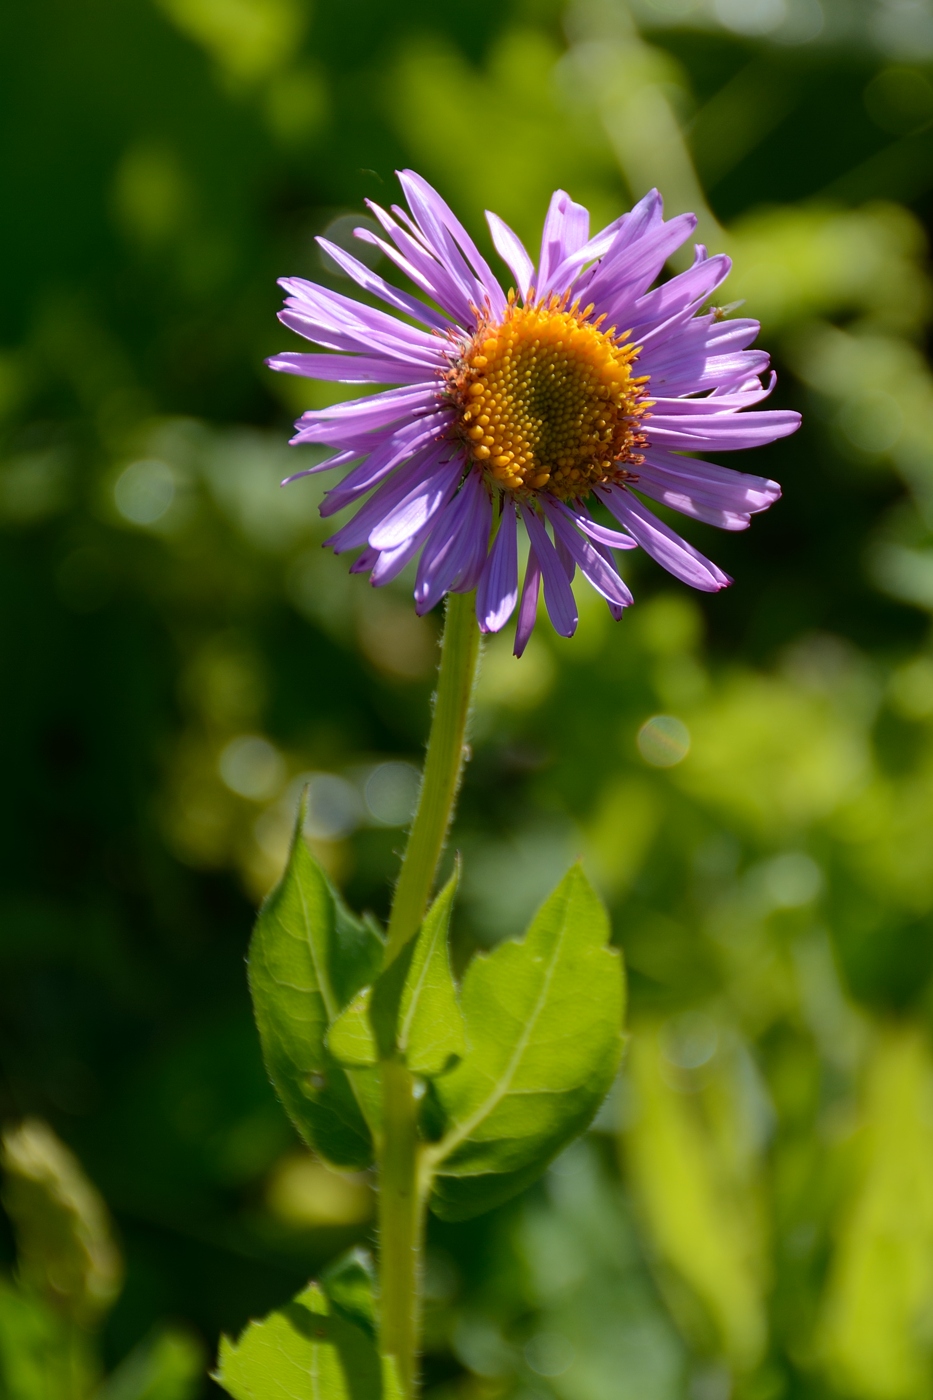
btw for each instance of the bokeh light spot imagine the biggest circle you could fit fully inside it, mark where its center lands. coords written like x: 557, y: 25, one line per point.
x: 144, y: 491
x: 252, y: 767
x: 750, y: 16
x: 334, y: 807
x: 304, y: 1193
x: 391, y: 792
x: 549, y: 1354
x: 691, y: 1040
x: 791, y: 880
x: 663, y: 741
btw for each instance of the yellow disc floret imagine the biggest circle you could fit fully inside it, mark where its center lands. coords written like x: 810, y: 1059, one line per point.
x: 547, y: 400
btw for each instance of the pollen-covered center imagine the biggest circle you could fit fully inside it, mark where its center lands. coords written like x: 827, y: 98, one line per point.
x: 548, y: 401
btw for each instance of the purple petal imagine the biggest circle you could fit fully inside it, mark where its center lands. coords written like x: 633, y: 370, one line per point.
x: 340, y: 459
x: 512, y: 252
x: 658, y: 540
x: 497, y: 591
x: 363, y: 415
x: 356, y: 531
x: 418, y: 190
x: 566, y: 230
x: 419, y: 506
x: 602, y: 575
x: 365, y: 561
x: 717, y: 495
x: 372, y: 282
x: 340, y: 323
x: 728, y: 433
x: 349, y: 369
x: 600, y: 534
x: 412, y: 258
x: 528, y: 608
x: 558, y: 595
x: 624, y: 277
x: 566, y: 558
x: 479, y: 526
x: 391, y: 562
x: 403, y: 443
x: 453, y: 544
x: 688, y: 289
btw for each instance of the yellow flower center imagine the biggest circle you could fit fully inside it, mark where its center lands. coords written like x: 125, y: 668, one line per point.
x: 547, y: 399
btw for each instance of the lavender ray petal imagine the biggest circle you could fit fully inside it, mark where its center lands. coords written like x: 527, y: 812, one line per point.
x: 528, y: 607
x: 497, y: 590
x: 365, y: 561
x: 488, y: 281
x: 566, y: 557
x: 602, y: 575
x: 722, y: 372
x: 690, y: 288
x: 730, y: 433
x: 393, y: 451
x: 406, y: 479
x: 371, y: 282
x: 420, y: 505
x: 340, y: 459
x: 566, y: 230
x: 558, y: 595
x: 391, y: 562
x: 512, y: 252
x: 348, y: 369
x: 449, y: 549
x: 420, y: 266
x: 666, y: 547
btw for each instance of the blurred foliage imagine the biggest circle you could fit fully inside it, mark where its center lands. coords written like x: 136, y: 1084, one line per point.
x: 68, y: 1275
x: 749, y: 777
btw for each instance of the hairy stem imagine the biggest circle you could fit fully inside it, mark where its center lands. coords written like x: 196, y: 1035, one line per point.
x: 442, y: 770
x: 401, y: 1224
x: 402, y: 1185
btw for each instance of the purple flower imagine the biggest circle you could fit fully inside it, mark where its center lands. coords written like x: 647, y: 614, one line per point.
x: 581, y: 388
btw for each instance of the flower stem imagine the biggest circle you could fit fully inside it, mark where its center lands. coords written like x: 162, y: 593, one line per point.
x: 401, y: 1224
x: 442, y: 769
x: 402, y: 1191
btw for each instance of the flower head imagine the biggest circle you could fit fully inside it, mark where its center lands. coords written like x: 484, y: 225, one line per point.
x: 579, y: 388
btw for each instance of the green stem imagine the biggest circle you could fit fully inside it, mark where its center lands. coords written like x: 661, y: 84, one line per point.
x: 401, y: 1224
x: 402, y: 1189
x: 442, y: 770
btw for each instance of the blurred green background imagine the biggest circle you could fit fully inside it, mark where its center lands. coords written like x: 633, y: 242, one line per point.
x: 753, y: 1212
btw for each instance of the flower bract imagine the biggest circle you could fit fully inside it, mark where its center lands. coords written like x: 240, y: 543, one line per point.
x: 554, y: 407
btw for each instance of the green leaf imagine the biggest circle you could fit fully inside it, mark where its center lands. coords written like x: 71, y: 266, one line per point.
x: 412, y: 1010
x: 544, y: 1023
x: 350, y: 1284
x: 430, y: 1032
x: 351, y: 1039
x: 304, y: 1351
x: 307, y: 959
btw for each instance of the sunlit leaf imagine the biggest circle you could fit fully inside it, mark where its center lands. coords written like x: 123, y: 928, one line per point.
x: 302, y: 1350
x: 412, y: 1010
x: 308, y: 957
x: 351, y: 1039
x: 544, y: 1025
